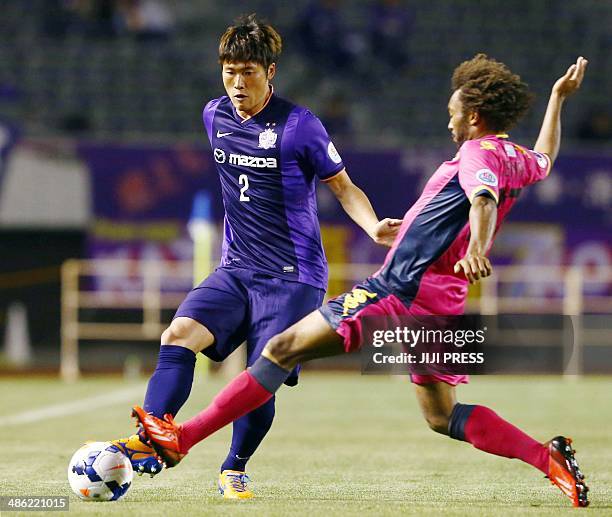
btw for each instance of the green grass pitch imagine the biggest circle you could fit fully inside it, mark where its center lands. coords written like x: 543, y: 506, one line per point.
x: 342, y: 444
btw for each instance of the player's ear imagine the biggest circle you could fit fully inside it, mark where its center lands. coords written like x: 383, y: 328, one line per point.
x: 474, y: 118
x: 271, y: 71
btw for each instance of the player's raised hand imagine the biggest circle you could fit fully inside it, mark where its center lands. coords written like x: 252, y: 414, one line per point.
x: 385, y: 231
x: 474, y: 267
x: 571, y: 81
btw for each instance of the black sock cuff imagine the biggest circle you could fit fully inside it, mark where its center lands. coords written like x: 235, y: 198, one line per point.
x: 267, y: 373
x: 458, y: 419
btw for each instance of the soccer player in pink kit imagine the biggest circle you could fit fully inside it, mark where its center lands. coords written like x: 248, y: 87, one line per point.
x: 442, y: 245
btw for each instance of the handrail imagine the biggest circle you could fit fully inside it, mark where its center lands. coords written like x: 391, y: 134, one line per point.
x: 151, y: 294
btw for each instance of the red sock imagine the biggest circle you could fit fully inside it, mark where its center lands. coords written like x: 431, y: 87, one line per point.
x: 487, y: 431
x: 240, y: 396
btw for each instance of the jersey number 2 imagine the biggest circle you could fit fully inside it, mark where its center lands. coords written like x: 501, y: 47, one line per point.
x: 243, y: 179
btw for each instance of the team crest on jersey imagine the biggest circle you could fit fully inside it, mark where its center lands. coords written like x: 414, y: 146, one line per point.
x: 267, y: 139
x: 510, y: 150
x: 486, y: 177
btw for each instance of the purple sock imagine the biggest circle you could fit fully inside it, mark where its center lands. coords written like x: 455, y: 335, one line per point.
x: 170, y: 384
x: 248, y: 432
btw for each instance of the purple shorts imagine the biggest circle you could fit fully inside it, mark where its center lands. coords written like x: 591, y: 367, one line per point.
x: 239, y: 305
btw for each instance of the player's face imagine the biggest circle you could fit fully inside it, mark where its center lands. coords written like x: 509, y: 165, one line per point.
x: 247, y: 85
x: 458, y: 124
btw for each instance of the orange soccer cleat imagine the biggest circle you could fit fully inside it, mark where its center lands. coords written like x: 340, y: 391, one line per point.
x: 163, y: 435
x: 563, y: 471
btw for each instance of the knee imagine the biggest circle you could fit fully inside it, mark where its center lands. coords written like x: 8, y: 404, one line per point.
x: 438, y: 422
x: 282, y: 348
x: 187, y: 333
x: 177, y: 331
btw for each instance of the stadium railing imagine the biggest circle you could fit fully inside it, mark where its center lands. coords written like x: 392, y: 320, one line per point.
x: 153, y: 289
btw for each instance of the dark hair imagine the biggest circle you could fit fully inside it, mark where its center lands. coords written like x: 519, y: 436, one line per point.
x: 250, y: 40
x: 489, y: 88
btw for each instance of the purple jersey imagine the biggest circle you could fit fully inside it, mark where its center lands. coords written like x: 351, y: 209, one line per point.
x: 267, y: 165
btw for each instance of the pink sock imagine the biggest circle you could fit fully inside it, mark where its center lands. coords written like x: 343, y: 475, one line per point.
x: 487, y: 431
x: 242, y: 395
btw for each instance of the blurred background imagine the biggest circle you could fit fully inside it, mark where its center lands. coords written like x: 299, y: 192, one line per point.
x: 108, y: 188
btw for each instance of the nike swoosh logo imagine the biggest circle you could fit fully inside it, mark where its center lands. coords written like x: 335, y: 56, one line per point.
x: 221, y: 135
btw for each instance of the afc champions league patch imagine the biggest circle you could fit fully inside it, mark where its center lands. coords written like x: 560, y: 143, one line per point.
x: 333, y: 153
x: 267, y: 139
x: 486, y: 177
x: 541, y: 159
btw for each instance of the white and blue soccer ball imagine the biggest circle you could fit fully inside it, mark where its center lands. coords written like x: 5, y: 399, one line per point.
x: 99, y: 471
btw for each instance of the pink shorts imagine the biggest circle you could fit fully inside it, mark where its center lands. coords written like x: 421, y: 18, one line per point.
x: 345, y: 314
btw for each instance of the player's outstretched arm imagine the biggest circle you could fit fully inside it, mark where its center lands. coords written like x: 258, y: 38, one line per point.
x: 483, y: 216
x: 358, y: 207
x: 549, y: 139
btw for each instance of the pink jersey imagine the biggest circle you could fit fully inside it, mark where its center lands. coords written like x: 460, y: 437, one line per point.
x: 435, y: 232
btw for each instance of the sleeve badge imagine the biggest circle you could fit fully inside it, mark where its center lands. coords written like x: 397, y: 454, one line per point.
x: 486, y: 177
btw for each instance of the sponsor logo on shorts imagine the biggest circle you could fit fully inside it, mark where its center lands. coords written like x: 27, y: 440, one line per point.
x: 486, y: 177
x: 356, y: 298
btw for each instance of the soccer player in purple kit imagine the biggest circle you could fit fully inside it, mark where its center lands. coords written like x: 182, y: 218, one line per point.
x: 269, y: 153
x: 442, y: 246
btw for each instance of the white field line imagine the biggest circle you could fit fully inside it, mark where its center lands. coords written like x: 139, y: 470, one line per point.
x: 134, y: 393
